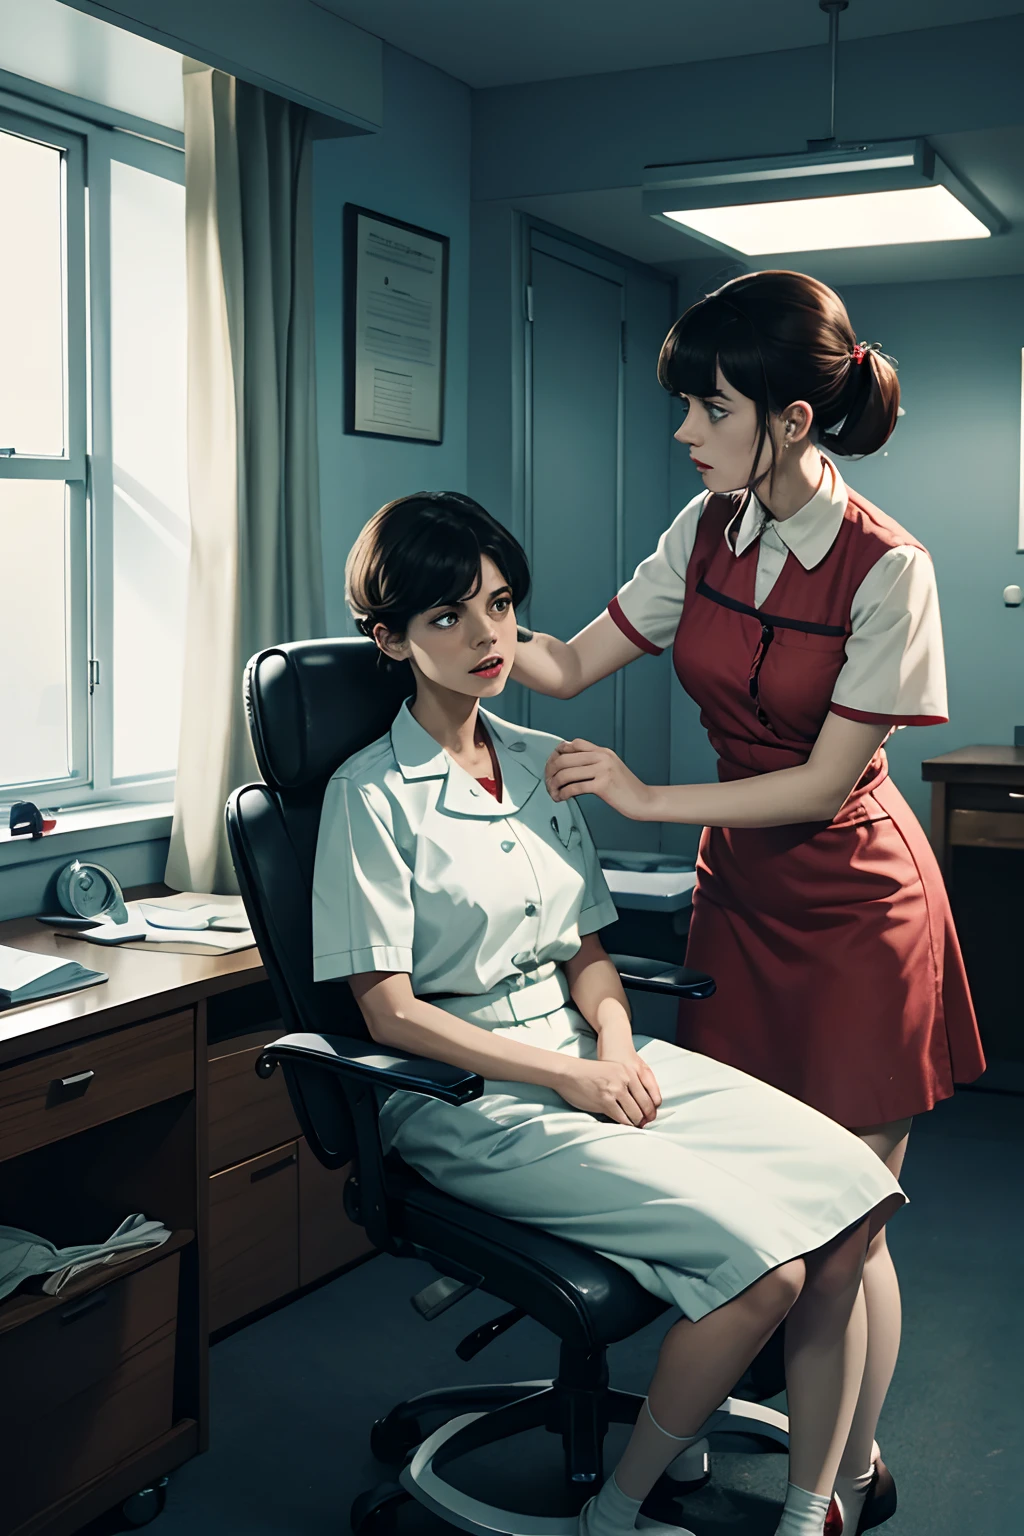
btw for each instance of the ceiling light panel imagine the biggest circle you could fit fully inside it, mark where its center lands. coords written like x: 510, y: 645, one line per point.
x: 903, y: 217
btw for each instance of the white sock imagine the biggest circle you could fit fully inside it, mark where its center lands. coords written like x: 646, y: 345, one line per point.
x: 610, y: 1512
x: 803, y: 1513
x: 852, y: 1493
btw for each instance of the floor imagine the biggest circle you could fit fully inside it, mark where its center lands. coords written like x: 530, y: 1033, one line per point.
x: 294, y: 1394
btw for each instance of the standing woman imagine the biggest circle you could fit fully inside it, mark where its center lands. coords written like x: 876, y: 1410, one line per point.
x: 805, y: 623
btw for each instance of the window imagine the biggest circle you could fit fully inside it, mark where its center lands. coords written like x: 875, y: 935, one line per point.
x: 93, y: 493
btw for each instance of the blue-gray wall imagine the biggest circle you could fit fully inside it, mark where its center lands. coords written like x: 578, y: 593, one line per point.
x: 950, y: 475
x: 417, y: 169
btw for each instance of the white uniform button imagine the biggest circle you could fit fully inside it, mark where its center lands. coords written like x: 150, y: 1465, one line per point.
x: 517, y: 746
x: 507, y: 847
x: 531, y: 910
x: 554, y: 823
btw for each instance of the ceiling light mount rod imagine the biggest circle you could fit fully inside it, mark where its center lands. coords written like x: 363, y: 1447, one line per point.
x: 832, y: 9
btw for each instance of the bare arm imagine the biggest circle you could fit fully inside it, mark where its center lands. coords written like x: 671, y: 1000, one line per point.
x: 814, y: 791
x: 563, y: 668
x: 396, y: 1017
x: 596, y: 989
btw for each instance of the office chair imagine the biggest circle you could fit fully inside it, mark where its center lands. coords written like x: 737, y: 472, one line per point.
x: 311, y: 705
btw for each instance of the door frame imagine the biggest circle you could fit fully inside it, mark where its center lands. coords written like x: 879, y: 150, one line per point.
x: 560, y: 245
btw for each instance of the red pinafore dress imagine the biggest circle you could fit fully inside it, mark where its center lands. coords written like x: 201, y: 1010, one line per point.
x: 840, y: 978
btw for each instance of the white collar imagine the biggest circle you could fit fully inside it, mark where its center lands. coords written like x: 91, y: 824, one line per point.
x: 809, y: 533
x: 419, y: 756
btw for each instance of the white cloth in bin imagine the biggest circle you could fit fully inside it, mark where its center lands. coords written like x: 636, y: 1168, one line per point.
x: 24, y: 1255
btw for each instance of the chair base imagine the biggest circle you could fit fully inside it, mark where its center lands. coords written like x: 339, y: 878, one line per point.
x: 493, y: 1413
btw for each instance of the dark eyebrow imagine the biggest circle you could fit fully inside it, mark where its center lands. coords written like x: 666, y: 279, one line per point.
x: 460, y: 602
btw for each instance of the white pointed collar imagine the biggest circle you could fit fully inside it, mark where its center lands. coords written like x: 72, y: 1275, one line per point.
x: 419, y: 756
x: 809, y: 533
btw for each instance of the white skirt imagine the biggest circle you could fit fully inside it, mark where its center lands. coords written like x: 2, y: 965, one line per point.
x: 731, y: 1179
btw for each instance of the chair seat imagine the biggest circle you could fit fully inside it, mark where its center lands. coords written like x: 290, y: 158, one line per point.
x: 586, y: 1300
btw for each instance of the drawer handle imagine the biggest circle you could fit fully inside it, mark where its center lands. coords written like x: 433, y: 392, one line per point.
x: 81, y: 1308
x: 278, y: 1167
x: 1016, y: 795
x: 63, y: 1089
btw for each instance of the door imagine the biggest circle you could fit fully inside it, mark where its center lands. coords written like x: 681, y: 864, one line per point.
x: 597, y: 444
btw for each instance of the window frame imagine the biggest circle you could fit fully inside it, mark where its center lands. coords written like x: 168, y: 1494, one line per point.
x: 86, y: 466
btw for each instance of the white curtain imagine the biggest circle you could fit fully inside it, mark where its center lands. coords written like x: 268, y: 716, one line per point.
x: 255, y: 576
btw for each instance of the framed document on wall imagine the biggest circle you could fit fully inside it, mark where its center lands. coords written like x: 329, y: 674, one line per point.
x: 396, y: 322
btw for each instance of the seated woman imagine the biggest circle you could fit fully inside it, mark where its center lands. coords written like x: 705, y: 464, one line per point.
x: 464, y: 906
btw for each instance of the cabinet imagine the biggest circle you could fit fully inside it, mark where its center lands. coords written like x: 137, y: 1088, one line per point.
x: 277, y: 1218
x: 140, y: 1095
x: 106, y: 1382
x: 977, y: 832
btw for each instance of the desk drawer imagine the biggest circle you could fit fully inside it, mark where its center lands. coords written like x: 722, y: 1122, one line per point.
x: 247, y: 1114
x: 986, y: 797
x: 64, y: 1092
x: 254, y: 1234
x: 986, y: 829
x: 88, y: 1384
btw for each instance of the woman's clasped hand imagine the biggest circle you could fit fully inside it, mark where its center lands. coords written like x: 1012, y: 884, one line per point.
x: 619, y: 1084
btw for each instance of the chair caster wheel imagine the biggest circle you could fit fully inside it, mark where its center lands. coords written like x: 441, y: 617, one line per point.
x: 392, y: 1438
x: 145, y: 1505
x: 375, y: 1512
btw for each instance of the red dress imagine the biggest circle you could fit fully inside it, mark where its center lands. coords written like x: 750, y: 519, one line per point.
x: 839, y: 974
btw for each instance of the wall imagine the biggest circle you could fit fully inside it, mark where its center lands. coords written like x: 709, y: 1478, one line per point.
x: 416, y: 169
x: 600, y: 130
x: 58, y: 47
x: 950, y: 475
x: 295, y: 48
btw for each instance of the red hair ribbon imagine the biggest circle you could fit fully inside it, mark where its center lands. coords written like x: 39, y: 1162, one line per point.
x: 859, y: 352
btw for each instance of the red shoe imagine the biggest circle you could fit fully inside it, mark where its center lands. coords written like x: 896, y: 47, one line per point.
x: 879, y: 1506
x: 833, y: 1520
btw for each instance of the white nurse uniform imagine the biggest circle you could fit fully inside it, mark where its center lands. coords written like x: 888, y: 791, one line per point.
x: 481, y: 901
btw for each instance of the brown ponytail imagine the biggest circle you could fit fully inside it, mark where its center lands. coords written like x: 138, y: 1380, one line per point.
x: 783, y: 336
x: 874, y: 405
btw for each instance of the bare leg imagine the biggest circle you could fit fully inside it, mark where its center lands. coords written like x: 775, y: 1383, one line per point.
x: 698, y: 1365
x: 882, y: 1298
x: 826, y: 1339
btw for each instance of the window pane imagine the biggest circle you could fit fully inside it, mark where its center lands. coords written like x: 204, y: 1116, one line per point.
x: 32, y: 296
x: 33, y: 632
x: 151, y: 526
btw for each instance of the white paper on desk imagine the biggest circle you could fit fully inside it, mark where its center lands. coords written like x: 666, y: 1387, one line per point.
x: 214, y: 941
x: 225, y: 917
x: 19, y: 967
x: 136, y: 933
x: 107, y: 932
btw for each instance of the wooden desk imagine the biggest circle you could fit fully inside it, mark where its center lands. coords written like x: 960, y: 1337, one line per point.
x: 977, y: 819
x: 977, y: 800
x: 106, y: 1386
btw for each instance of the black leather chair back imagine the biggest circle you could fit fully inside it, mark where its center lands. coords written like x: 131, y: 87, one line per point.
x: 311, y: 704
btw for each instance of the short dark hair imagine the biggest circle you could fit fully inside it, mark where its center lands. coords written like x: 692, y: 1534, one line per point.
x: 422, y: 551
x: 778, y: 337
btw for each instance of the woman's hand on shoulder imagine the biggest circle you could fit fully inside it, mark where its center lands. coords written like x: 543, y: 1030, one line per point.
x: 579, y: 767
x: 622, y: 1088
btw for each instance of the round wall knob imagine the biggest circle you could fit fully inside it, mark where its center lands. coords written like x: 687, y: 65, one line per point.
x: 1013, y: 596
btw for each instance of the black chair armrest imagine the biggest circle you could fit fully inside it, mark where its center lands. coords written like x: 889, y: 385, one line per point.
x: 643, y: 975
x: 369, y: 1062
